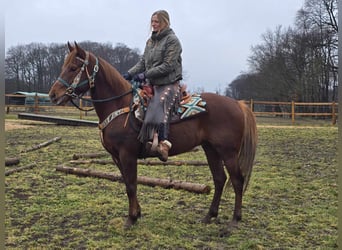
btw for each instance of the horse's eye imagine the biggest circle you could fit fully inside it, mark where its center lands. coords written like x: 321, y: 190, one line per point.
x: 73, y: 67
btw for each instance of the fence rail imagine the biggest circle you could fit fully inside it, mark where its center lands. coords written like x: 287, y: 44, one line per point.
x: 295, y: 109
x: 259, y: 108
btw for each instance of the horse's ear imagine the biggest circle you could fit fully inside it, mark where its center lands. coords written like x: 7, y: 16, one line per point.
x: 80, y: 51
x: 70, y: 47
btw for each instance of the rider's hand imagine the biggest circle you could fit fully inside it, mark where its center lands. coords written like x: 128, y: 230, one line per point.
x: 127, y: 76
x: 139, y: 77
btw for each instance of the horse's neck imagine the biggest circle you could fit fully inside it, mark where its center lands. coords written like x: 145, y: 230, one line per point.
x: 108, y: 84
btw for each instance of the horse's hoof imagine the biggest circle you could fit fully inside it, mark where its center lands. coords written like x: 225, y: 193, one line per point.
x: 131, y: 220
x: 129, y: 223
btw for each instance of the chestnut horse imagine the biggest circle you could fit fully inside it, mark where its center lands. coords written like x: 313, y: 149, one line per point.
x: 226, y: 131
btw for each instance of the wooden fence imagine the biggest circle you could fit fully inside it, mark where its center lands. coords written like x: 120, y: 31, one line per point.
x: 295, y: 109
x: 42, y: 107
x: 260, y: 108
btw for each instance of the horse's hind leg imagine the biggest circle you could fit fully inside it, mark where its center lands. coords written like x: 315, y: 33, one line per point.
x: 219, y: 177
x: 237, y: 182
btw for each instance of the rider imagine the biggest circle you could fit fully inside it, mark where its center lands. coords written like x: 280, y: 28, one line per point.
x: 160, y: 66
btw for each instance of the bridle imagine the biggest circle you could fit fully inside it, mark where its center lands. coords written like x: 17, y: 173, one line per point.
x: 70, y: 91
x: 71, y: 88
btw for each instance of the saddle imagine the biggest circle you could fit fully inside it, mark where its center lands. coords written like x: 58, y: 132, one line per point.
x: 190, y: 105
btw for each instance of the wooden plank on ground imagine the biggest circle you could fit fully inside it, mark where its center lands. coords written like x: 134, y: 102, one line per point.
x: 57, y: 120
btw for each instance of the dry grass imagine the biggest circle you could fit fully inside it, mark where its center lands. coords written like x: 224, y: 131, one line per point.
x: 291, y: 202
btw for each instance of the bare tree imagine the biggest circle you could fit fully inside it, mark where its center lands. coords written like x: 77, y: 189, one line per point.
x: 297, y: 63
x: 318, y: 20
x: 37, y: 65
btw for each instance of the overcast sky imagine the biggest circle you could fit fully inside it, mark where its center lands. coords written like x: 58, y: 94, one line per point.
x: 216, y: 35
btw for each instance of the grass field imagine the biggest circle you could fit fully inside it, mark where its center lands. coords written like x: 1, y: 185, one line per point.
x: 291, y: 202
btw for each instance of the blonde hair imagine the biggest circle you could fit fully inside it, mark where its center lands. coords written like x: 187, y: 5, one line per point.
x: 163, y: 18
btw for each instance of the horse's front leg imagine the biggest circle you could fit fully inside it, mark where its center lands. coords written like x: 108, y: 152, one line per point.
x: 128, y: 168
x: 134, y: 211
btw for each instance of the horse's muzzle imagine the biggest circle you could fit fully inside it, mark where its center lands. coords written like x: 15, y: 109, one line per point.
x: 57, y: 94
x: 58, y: 99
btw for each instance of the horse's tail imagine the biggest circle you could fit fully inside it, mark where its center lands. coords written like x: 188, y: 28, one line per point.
x: 248, y: 145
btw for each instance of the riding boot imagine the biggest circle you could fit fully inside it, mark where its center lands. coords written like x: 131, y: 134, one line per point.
x: 163, y: 150
x: 164, y: 145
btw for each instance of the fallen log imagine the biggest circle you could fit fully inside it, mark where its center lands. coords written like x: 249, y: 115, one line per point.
x: 152, y: 182
x: 96, y: 161
x: 40, y: 145
x: 89, y: 155
x: 173, y: 163
x: 77, y: 156
x: 11, y: 161
x: 175, y: 184
x: 143, y: 162
x: 14, y: 170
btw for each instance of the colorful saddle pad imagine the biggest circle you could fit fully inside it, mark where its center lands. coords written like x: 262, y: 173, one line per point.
x: 195, y: 106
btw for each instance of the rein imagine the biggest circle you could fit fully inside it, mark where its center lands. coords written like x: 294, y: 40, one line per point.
x: 107, y: 99
x: 97, y: 100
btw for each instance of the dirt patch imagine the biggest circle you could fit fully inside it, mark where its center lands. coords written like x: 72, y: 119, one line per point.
x: 10, y: 125
x: 20, y: 124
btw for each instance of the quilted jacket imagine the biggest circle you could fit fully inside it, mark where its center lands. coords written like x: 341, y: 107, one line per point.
x: 161, y: 61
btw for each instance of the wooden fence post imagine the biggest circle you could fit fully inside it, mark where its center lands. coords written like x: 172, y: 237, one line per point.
x: 36, y: 106
x: 293, y: 112
x: 81, y: 106
x: 333, y: 113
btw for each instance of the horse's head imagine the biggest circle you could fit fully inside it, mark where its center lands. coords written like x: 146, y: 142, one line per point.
x: 75, y: 78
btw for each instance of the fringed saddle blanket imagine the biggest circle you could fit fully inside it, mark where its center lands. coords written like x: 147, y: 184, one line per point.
x: 194, y: 105
x: 191, y: 106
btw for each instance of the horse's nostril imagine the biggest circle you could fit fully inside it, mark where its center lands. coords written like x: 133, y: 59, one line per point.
x: 52, y: 97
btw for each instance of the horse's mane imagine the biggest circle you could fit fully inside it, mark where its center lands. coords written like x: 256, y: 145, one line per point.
x: 111, y: 74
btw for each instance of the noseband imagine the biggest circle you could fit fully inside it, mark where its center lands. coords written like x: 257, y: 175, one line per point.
x: 70, y: 91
